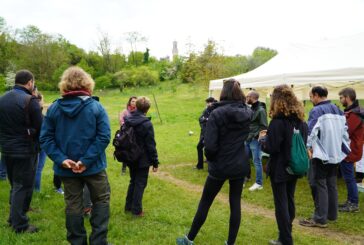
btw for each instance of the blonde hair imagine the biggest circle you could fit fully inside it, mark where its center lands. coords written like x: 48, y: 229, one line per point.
x: 75, y: 78
x: 143, y: 104
x: 284, y: 101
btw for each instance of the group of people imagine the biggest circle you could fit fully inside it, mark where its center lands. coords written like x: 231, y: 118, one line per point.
x: 233, y: 130
x: 76, y: 131
x: 74, y: 134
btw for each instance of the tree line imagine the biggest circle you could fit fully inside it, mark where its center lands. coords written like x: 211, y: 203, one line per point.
x: 47, y: 56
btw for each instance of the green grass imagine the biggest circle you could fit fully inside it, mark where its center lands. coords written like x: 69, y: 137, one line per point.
x: 169, y: 208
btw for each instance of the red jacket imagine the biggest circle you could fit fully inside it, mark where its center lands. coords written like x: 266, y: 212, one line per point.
x: 355, y: 120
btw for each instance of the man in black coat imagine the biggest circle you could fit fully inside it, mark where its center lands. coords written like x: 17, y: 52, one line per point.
x: 203, y: 121
x: 20, y: 122
x: 139, y: 170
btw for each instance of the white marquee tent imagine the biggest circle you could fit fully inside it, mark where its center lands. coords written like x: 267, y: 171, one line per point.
x: 334, y: 63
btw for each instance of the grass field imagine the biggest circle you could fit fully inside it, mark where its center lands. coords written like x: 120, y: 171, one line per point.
x: 170, y: 205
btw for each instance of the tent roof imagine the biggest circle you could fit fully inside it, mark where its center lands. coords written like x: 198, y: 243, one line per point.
x: 333, y: 62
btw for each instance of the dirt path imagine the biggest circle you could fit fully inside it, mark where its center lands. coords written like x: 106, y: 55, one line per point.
x: 343, y: 238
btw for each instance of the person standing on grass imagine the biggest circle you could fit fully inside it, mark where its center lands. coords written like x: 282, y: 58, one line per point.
x: 20, y: 122
x: 327, y: 144
x: 259, y: 122
x: 75, y: 134
x: 355, y: 121
x: 203, y: 120
x: 287, y: 114
x: 130, y: 107
x: 226, y: 132
x: 139, y: 170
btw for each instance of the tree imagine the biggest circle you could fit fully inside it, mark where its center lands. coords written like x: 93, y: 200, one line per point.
x: 146, y: 56
x: 105, y: 49
x: 133, y: 38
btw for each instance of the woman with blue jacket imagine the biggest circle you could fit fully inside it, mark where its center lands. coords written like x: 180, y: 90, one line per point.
x: 75, y: 134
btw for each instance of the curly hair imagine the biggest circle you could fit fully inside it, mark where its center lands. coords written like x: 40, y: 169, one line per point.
x: 75, y: 78
x: 284, y: 102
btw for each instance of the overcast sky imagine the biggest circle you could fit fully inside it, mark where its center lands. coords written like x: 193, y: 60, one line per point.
x: 237, y: 26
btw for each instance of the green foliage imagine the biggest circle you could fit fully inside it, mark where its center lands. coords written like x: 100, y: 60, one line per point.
x: 190, y: 69
x: 135, y: 58
x: 104, y: 81
x: 2, y: 83
x: 136, y: 76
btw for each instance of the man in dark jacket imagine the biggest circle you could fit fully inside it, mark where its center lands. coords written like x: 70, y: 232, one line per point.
x: 203, y: 121
x: 20, y: 122
x: 354, y: 118
x: 258, y: 123
x: 139, y: 170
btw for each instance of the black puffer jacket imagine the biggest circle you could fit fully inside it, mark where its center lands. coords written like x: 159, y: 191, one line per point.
x: 14, y: 138
x: 145, y: 138
x: 226, y: 131
x: 278, y: 144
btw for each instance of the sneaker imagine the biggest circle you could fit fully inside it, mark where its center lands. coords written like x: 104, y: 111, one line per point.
x: 60, y: 191
x: 343, y: 204
x: 29, y: 229
x: 350, y: 208
x: 255, y: 187
x: 139, y: 215
x: 183, y: 241
x: 274, y: 242
x: 311, y: 223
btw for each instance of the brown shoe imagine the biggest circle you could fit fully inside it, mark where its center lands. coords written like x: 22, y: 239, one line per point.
x: 311, y: 223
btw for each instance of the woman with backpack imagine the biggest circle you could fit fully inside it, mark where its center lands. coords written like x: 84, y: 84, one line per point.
x: 226, y: 132
x: 130, y: 107
x: 287, y: 115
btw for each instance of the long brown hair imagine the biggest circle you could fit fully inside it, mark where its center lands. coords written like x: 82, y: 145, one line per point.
x: 283, y: 101
x: 232, y: 91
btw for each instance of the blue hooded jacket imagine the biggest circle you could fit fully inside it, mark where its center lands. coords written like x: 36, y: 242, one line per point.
x: 76, y: 128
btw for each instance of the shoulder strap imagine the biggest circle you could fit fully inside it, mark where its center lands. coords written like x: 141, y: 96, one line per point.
x: 26, y: 109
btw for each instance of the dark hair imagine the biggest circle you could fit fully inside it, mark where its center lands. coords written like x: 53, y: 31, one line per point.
x: 348, y: 92
x: 129, y: 101
x: 232, y: 91
x: 321, y: 91
x: 210, y: 100
x: 23, y: 77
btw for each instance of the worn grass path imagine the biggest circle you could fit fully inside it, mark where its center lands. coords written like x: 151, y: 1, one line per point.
x: 163, y: 174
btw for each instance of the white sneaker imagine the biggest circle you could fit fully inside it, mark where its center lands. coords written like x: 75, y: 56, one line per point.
x: 255, y: 187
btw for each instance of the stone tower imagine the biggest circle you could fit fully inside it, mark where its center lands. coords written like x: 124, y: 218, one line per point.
x: 175, y: 49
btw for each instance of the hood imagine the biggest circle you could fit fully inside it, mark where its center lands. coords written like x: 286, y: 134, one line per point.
x: 355, y: 108
x: 71, y: 106
x: 236, y: 114
x: 135, y: 118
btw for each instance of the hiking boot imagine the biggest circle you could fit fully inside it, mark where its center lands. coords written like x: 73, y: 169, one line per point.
x: 311, y: 223
x: 274, y: 242
x: 255, y: 187
x: 183, y: 241
x: 350, y: 208
x: 29, y: 229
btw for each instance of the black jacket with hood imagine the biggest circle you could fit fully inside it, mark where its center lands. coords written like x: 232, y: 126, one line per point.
x: 145, y: 138
x: 226, y: 132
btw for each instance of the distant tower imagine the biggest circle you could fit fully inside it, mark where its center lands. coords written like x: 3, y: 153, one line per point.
x: 175, y: 49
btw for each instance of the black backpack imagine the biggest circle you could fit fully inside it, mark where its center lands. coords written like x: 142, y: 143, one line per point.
x: 127, y: 149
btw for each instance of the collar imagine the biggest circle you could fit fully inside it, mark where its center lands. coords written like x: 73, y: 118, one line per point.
x: 323, y: 102
x: 354, y: 105
x: 21, y: 88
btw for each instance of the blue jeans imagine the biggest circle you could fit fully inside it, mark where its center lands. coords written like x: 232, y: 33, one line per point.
x: 348, y: 173
x: 2, y: 170
x: 253, y: 146
x: 38, y: 176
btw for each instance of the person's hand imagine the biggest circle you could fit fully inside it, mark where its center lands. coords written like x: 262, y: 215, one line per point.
x: 309, y: 153
x: 155, y: 169
x: 68, y: 163
x: 262, y: 134
x: 79, y: 168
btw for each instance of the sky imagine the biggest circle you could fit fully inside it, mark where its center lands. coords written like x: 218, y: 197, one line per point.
x: 237, y: 26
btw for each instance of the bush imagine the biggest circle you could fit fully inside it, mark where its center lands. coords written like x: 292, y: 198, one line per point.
x: 46, y: 86
x: 2, y: 83
x: 104, y: 81
x: 136, y: 76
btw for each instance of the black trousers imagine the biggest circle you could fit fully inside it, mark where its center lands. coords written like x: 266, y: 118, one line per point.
x: 200, y: 147
x: 211, y: 189
x: 285, y: 210
x: 138, y: 183
x: 21, y: 174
